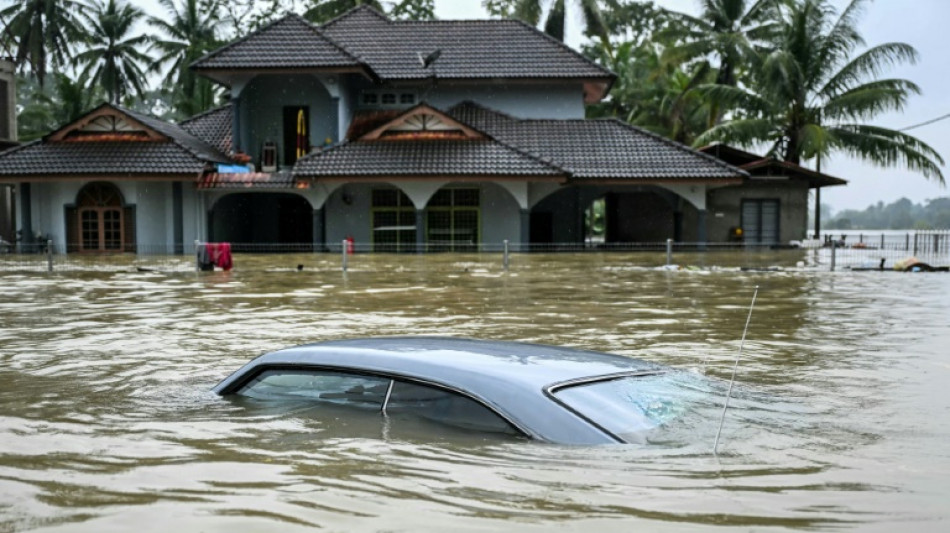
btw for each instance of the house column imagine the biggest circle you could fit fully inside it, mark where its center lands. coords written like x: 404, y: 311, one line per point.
x: 525, y: 215
x: 178, y: 215
x: 701, y: 229
x: 319, y: 239
x: 420, y: 230
x: 26, y: 215
x: 236, y: 123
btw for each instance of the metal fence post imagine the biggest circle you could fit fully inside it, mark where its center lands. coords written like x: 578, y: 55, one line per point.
x: 882, y: 241
x: 505, y: 259
x: 197, y: 264
x: 669, y: 252
x: 915, y: 242
x: 906, y: 242
x: 49, y: 256
x: 343, y: 248
x: 834, y: 249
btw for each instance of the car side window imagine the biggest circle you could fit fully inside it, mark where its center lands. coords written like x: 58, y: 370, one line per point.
x: 334, y: 387
x: 444, y: 407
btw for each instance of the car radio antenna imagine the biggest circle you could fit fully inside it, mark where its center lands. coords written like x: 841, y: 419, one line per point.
x: 734, y: 368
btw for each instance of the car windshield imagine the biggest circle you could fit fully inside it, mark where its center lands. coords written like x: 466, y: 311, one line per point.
x: 630, y: 406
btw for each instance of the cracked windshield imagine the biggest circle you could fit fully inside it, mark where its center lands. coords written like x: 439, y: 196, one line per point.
x: 483, y: 265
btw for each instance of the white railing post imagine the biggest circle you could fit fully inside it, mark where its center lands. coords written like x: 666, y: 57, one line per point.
x: 49, y: 255
x: 505, y: 259
x: 344, y: 255
x: 669, y: 252
x: 834, y: 249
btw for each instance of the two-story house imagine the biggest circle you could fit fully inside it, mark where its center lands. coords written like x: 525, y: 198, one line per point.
x: 437, y: 135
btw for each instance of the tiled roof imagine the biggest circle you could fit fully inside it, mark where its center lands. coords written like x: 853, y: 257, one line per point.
x: 469, y: 48
x: 112, y: 158
x: 251, y: 180
x: 212, y: 127
x: 290, y: 42
x: 182, y: 153
x: 194, y: 145
x: 597, y: 149
x: 422, y: 158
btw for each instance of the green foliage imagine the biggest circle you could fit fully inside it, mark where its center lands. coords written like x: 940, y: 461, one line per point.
x: 530, y: 11
x: 320, y: 11
x: 902, y: 214
x: 43, y: 33
x: 188, y: 31
x: 413, y: 10
x: 41, y: 110
x: 808, y: 95
x: 113, y: 59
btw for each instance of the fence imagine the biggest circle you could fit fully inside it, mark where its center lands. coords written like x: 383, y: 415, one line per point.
x: 868, y: 252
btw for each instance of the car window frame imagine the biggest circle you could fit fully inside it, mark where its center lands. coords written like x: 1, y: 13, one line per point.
x: 237, y: 385
x: 551, y: 390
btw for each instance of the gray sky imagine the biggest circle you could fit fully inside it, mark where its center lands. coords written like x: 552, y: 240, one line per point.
x: 921, y: 23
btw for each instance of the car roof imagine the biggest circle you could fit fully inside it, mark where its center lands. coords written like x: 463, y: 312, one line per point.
x: 509, y: 376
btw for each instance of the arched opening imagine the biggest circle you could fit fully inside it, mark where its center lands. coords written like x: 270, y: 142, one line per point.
x: 100, y: 221
x: 262, y: 222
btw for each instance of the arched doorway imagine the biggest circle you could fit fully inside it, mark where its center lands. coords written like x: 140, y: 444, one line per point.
x: 262, y: 222
x: 100, y: 221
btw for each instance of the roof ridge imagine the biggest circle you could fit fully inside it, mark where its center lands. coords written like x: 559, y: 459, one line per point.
x: 591, y: 62
x: 678, y: 145
x: 517, y: 149
x: 483, y: 107
x: 272, y: 24
x: 354, y: 10
x: 200, y: 157
x: 204, y: 114
x: 19, y: 147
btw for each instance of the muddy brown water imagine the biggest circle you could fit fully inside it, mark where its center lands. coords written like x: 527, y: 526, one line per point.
x: 107, y: 423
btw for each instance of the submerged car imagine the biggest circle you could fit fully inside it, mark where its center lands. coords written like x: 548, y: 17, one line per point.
x: 545, y: 393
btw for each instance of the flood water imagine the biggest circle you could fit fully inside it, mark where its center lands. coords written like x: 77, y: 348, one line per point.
x: 107, y: 423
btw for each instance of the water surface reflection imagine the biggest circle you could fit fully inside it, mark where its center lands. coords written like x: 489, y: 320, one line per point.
x: 106, y: 420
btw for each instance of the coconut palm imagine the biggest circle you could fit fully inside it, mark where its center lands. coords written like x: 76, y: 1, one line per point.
x: 189, y: 31
x: 530, y: 11
x: 44, y: 32
x: 812, y: 96
x: 728, y: 30
x: 114, y: 59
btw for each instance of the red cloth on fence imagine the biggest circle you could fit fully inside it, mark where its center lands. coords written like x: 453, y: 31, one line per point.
x: 220, y: 254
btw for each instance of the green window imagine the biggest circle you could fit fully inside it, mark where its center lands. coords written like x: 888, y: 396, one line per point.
x: 394, y: 221
x: 453, y: 220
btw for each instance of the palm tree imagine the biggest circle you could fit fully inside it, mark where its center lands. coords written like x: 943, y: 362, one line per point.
x: 727, y: 29
x: 656, y: 94
x: 810, y: 96
x: 42, y: 110
x: 190, y: 31
x: 114, y: 60
x: 530, y: 11
x: 44, y: 32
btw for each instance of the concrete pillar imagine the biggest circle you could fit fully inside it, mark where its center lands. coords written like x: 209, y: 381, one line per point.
x: 178, y: 218
x: 236, y: 144
x: 525, y: 236
x: 26, y: 214
x: 701, y: 229
x: 420, y: 230
x: 319, y: 238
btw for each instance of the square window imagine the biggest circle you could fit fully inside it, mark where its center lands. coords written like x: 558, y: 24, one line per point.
x: 389, y: 98
x: 407, y: 98
x: 370, y: 98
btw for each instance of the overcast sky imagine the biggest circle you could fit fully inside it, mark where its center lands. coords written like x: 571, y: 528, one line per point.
x: 921, y: 23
